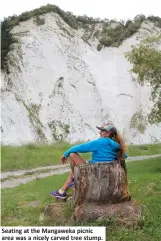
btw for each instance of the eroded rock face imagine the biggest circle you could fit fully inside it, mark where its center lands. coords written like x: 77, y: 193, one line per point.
x: 60, y: 87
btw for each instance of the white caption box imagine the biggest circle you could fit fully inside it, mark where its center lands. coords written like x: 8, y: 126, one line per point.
x: 53, y: 233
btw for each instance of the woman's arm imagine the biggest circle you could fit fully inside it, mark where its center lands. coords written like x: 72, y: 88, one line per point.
x: 83, y: 148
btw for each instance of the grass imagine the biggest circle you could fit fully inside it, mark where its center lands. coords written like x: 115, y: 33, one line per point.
x: 138, y: 150
x: 29, y: 173
x: 145, y: 186
x: 31, y: 156
x: 14, y: 211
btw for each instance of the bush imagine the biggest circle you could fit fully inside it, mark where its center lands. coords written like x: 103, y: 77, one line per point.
x: 99, y: 47
x: 115, y: 36
x: 96, y: 34
x: 106, y: 41
x: 6, y: 40
x: 39, y: 21
x: 25, y: 16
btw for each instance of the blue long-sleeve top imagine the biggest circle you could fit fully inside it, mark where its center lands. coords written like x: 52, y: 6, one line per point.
x: 103, y: 149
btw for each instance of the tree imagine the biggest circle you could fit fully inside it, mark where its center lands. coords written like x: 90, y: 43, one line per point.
x: 146, y: 64
x: 140, y: 17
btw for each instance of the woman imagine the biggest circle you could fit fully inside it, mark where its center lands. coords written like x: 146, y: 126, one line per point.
x: 109, y: 147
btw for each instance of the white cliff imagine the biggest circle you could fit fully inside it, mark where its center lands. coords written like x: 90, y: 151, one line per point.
x: 60, y: 87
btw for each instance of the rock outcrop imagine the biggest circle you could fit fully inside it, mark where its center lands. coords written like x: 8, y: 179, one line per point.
x: 60, y: 87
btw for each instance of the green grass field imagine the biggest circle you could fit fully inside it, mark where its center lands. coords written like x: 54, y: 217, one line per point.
x: 137, y: 150
x: 31, y: 156
x: 145, y: 187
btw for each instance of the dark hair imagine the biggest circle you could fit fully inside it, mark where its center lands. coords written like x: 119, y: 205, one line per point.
x: 113, y: 132
x: 117, y: 137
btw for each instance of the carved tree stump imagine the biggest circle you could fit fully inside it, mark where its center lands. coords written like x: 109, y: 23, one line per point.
x: 101, y: 192
x: 100, y: 183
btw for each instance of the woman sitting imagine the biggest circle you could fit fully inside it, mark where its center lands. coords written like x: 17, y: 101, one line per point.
x: 109, y: 147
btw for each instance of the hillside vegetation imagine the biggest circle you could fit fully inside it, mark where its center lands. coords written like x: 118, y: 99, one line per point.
x: 107, y: 36
x: 146, y: 64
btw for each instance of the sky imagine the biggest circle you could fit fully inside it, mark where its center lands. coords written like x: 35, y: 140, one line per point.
x: 112, y: 9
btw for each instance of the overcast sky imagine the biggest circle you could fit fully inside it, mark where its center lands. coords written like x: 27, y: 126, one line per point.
x: 118, y: 9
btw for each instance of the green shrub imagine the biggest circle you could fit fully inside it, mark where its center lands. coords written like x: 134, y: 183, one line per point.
x: 25, y: 16
x: 96, y: 34
x: 156, y: 20
x: 99, y: 47
x: 115, y: 36
x: 30, y: 146
x: 66, y: 129
x: 39, y: 21
x: 6, y: 40
x: 106, y: 41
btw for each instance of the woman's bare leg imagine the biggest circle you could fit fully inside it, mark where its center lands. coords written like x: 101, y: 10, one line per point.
x: 75, y: 159
x: 67, y: 182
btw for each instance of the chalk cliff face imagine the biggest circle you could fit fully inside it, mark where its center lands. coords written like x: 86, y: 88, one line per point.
x: 60, y: 87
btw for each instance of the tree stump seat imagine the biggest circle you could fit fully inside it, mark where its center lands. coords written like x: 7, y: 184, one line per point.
x: 103, y: 182
x: 101, y: 192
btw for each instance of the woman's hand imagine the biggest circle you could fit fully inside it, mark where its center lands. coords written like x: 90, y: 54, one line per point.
x: 64, y: 159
